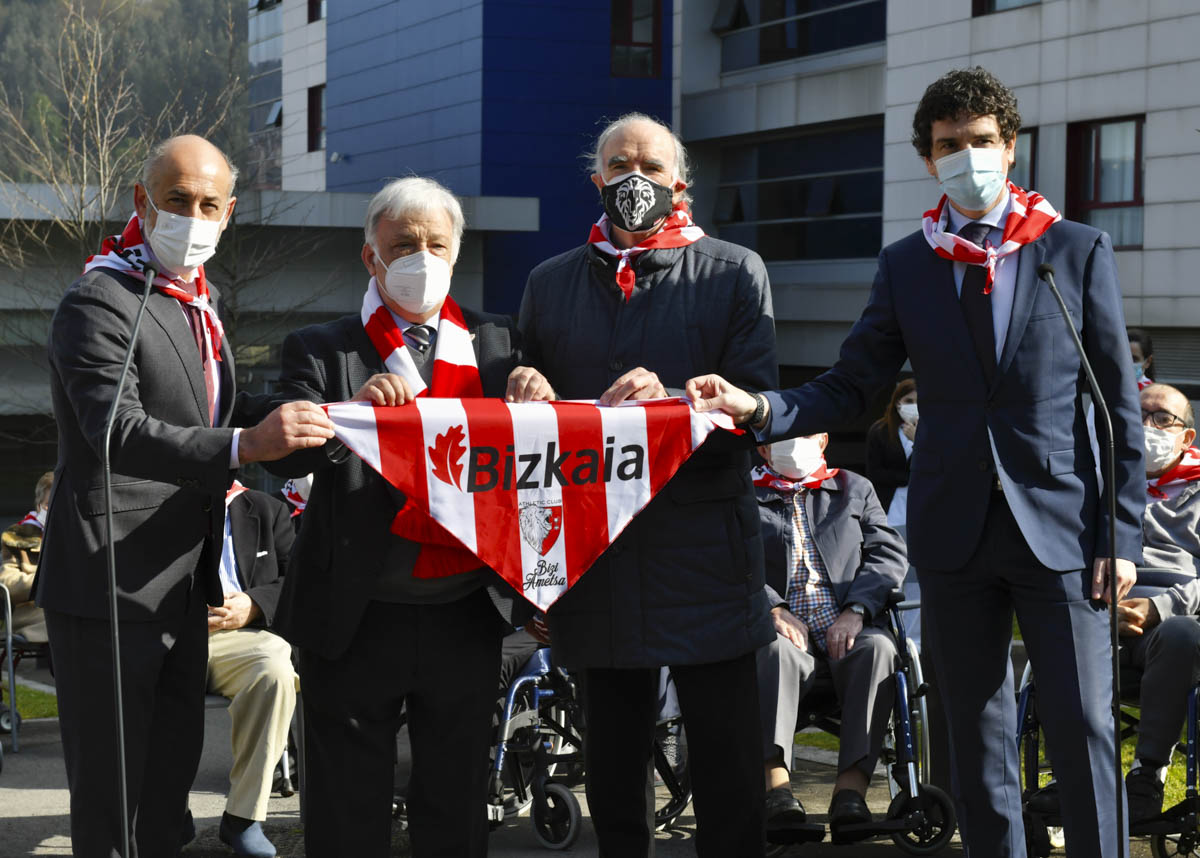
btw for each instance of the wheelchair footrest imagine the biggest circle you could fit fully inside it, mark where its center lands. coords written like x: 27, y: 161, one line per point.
x: 866, y: 830
x: 801, y: 832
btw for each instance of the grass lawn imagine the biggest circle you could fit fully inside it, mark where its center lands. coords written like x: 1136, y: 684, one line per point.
x: 32, y: 703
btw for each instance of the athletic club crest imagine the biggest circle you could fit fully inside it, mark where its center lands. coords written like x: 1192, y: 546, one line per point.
x: 540, y: 525
x: 635, y: 198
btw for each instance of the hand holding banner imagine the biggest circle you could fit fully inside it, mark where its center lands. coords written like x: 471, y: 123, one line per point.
x: 537, y: 490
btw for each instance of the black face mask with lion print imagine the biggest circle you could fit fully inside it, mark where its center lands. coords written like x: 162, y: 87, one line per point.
x: 634, y: 203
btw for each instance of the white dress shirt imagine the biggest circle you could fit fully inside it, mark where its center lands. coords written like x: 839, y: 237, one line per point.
x: 1004, y: 287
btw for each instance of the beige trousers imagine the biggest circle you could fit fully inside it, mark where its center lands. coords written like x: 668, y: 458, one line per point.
x: 253, y: 667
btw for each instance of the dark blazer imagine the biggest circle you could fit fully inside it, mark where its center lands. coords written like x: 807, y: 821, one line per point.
x: 1033, y: 412
x: 346, y: 535
x: 683, y: 583
x: 887, y: 466
x: 263, y: 534
x: 865, y: 557
x: 170, y: 468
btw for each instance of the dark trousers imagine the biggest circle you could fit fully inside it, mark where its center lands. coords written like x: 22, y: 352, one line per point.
x: 1169, y: 657
x: 440, y: 662
x: 163, y: 665
x: 969, y: 613
x: 719, y: 703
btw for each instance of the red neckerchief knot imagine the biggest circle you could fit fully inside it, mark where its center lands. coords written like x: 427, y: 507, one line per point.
x: 677, y: 230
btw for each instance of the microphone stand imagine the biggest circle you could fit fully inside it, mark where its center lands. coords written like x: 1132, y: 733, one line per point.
x: 1046, y: 272
x: 114, y: 628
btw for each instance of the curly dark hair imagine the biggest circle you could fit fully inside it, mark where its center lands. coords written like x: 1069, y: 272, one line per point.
x: 964, y: 92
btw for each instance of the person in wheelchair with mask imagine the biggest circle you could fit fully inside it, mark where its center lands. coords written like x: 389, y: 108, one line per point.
x: 1161, y: 633
x: 831, y: 560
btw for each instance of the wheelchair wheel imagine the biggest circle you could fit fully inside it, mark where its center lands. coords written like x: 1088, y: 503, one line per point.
x: 1185, y: 845
x: 671, y: 764
x: 558, y: 820
x: 7, y: 716
x: 929, y: 833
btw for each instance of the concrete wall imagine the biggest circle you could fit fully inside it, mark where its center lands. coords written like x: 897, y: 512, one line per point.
x: 303, y: 67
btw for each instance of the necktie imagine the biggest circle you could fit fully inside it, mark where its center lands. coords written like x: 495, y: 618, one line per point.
x: 976, y: 306
x: 419, y: 337
x: 196, y: 320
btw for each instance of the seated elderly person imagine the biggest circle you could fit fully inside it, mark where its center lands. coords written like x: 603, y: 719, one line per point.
x: 1163, y: 632
x: 20, y: 547
x: 831, y: 560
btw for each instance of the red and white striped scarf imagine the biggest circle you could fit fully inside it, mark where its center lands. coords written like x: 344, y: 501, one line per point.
x: 767, y: 478
x: 129, y: 253
x: 1169, y: 485
x: 234, y: 490
x: 1031, y: 216
x: 34, y: 517
x: 297, y: 494
x: 455, y: 376
x: 678, y: 230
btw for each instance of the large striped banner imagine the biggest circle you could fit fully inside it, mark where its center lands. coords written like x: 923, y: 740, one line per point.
x: 535, y: 490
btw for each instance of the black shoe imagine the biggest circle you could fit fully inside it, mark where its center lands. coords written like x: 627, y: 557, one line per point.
x: 783, y: 808
x: 848, y: 808
x: 188, y: 834
x: 1145, y: 793
x: 1045, y: 801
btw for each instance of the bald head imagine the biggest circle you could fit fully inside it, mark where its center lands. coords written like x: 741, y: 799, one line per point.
x: 189, y: 154
x: 1163, y: 397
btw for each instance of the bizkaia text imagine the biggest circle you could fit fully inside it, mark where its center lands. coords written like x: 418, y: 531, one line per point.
x: 489, y: 468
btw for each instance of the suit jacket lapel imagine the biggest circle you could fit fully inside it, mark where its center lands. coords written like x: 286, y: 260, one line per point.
x: 169, y: 314
x: 243, y: 524
x: 1029, y: 258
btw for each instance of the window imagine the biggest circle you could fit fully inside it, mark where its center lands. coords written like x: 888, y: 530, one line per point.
x: 636, y: 36
x: 817, y: 194
x: 316, y: 118
x: 756, y: 32
x: 316, y: 10
x: 1023, y: 173
x: 1104, y: 177
x: 987, y: 7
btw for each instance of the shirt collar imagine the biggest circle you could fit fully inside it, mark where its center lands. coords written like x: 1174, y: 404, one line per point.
x: 994, y: 218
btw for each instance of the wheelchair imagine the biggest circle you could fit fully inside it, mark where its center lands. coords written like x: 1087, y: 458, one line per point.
x: 1176, y: 832
x: 538, y: 756
x: 920, y: 819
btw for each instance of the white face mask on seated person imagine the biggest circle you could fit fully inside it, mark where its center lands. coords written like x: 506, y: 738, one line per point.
x: 1162, y: 448
x: 796, y: 458
x: 417, y: 282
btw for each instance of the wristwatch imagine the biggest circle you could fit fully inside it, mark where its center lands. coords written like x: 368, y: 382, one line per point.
x: 760, y: 410
x: 857, y: 608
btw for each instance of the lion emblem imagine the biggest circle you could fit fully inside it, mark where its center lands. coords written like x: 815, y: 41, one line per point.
x: 540, y: 525
x: 635, y: 198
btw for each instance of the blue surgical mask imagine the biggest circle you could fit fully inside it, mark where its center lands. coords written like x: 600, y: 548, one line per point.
x: 1139, y: 370
x: 972, y: 178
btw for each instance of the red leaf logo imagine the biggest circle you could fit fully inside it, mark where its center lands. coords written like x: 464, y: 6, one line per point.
x: 446, y: 456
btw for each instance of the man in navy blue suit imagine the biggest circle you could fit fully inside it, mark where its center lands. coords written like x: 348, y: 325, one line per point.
x: 1004, y: 507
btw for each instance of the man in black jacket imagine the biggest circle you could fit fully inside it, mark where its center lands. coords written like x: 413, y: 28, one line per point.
x: 631, y: 314
x: 375, y: 636
x: 831, y: 561
x: 248, y: 663
x: 173, y: 457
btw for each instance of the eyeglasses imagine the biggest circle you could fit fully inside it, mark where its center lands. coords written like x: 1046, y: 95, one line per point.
x: 1162, y: 419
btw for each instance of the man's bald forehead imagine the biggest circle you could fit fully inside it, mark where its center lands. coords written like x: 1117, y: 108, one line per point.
x: 640, y: 127
x: 1165, y: 393
x: 189, y: 152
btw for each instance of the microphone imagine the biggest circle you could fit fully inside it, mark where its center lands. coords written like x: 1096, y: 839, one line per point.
x: 1045, y: 272
x: 150, y: 273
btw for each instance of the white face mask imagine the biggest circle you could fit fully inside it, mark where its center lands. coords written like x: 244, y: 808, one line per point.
x: 418, y: 282
x: 1160, y: 448
x: 972, y: 178
x: 908, y: 412
x: 796, y: 458
x: 182, y: 244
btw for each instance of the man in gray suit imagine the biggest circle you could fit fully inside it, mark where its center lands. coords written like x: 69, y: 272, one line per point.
x: 375, y: 636
x: 173, y: 457
x: 831, y: 560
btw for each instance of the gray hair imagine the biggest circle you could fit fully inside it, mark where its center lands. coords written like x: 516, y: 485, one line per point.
x: 683, y: 166
x: 159, y: 150
x: 414, y: 195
